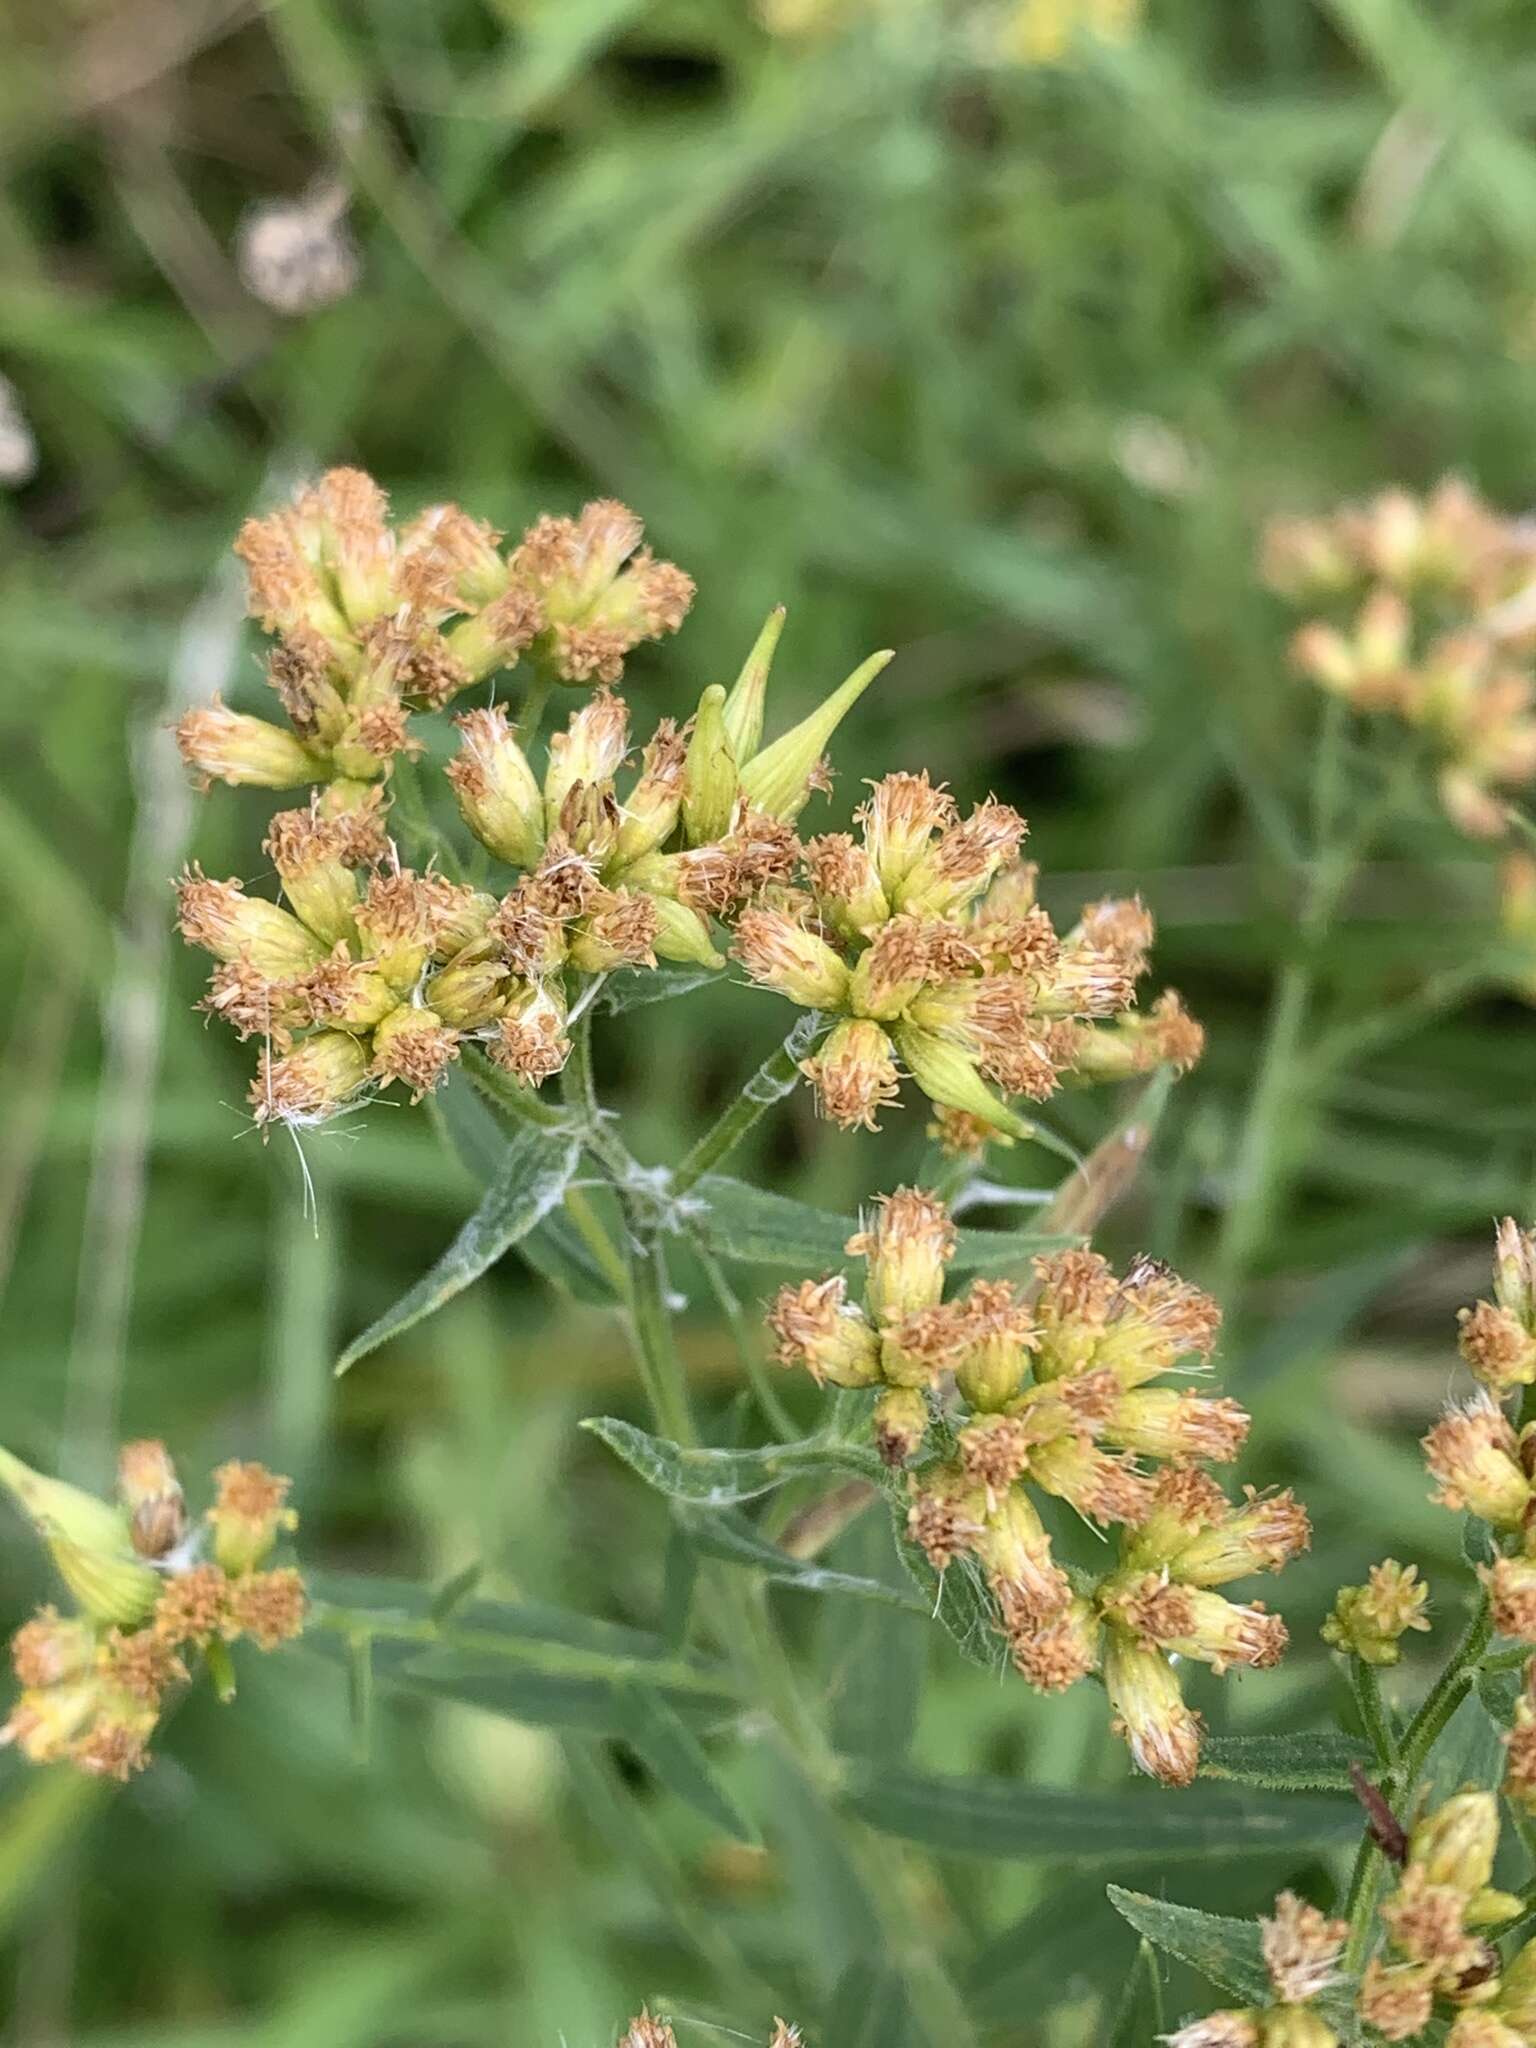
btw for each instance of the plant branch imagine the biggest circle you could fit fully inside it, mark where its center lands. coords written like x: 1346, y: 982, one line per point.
x: 774, y: 1079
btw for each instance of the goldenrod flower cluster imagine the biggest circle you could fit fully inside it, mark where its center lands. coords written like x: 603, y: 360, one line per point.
x: 1430, y: 620
x: 375, y: 973
x: 1436, y: 1946
x: 1301, y: 1948
x: 150, y: 1586
x: 1054, y: 1394
x: 923, y: 938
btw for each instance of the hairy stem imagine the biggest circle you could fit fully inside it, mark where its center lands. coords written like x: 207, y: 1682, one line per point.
x: 1366, y: 1687
x: 774, y: 1079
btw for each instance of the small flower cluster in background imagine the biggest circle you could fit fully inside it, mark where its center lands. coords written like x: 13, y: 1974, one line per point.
x: 923, y: 938
x: 1055, y: 1392
x: 153, y: 1591
x: 644, y: 2032
x: 1431, y: 620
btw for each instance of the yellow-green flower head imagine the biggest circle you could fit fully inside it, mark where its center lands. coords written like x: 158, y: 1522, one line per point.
x: 1370, y: 1621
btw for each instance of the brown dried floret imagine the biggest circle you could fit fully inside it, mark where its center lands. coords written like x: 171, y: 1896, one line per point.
x: 144, y: 1664
x: 1301, y: 1948
x: 112, y: 1748
x: 193, y: 1607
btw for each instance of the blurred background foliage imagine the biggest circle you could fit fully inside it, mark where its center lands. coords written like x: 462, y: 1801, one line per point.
x: 996, y: 361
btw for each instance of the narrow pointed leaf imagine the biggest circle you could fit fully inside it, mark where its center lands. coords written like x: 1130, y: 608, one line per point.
x: 1001, y: 1817
x: 1225, y: 1952
x: 732, y: 1538
x: 759, y: 1228
x: 533, y: 1174
x: 722, y: 1478
x: 633, y: 988
x: 1285, y: 1763
x: 675, y: 1757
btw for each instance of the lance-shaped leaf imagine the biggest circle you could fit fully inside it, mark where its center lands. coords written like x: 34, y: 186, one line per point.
x: 675, y: 1757
x: 1000, y: 1817
x: 756, y: 1227
x: 532, y: 1175
x: 732, y: 1538
x: 719, y: 1479
x: 633, y: 988
x: 1286, y: 1763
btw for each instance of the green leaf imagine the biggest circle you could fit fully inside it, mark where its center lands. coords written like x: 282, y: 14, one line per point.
x: 1469, y: 1750
x: 1138, y: 2019
x: 1225, y: 1952
x: 999, y: 1817
x: 758, y: 1228
x: 958, y: 1599
x: 1285, y: 1763
x: 531, y: 1177
x: 675, y: 1758
x: 632, y: 988
x: 716, y: 1479
x: 732, y: 1538
x: 874, y: 1658
x: 543, y: 1696
x: 868, y: 2008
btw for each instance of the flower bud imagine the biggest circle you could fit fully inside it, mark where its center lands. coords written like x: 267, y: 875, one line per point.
x: 1163, y: 1734
x: 1455, y: 1844
x: 907, y: 1244
x: 89, y: 1543
x: 844, y: 882
x: 961, y: 863
x: 682, y: 935
x: 744, y: 706
x: 414, y: 1046
x: 347, y: 511
x: 309, y: 1084
x: 709, y: 773
x: 1013, y: 1545
x: 779, y: 779
x: 248, y: 1515
x: 854, y: 1074
x: 312, y: 856
x: 1473, y: 1452
x: 148, y: 1488
x: 468, y: 993
x: 947, y: 1076
x: 229, y: 746
x: 999, y: 1336
x: 1261, y: 1536
x: 618, y: 931
x: 531, y: 1044
x: 815, y: 1326
x: 496, y: 635
x: 783, y: 955
x: 497, y: 791
x: 900, y: 1424
x: 1514, y: 1271
x: 1484, y: 2029
x: 1370, y: 1620
x: 395, y: 928
x: 651, y: 810
x: 898, y: 820
x: 590, y: 750
x: 224, y: 921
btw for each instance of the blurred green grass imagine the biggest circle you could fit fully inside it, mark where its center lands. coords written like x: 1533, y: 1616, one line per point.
x: 999, y: 366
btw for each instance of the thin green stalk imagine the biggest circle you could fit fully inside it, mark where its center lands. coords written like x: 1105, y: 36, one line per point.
x: 411, y: 813
x: 1366, y: 1687
x: 775, y: 1413
x: 530, y: 710
x: 774, y: 1079
x: 501, y: 1089
x: 1345, y: 1044
x: 1419, y: 1738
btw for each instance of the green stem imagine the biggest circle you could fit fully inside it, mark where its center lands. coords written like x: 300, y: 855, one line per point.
x: 1366, y: 1687
x: 1256, y: 1176
x: 530, y: 711
x: 410, y: 810
x: 1347, y: 1042
x: 774, y: 1079
x: 501, y: 1089
x: 1419, y: 1738
x: 777, y: 1416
